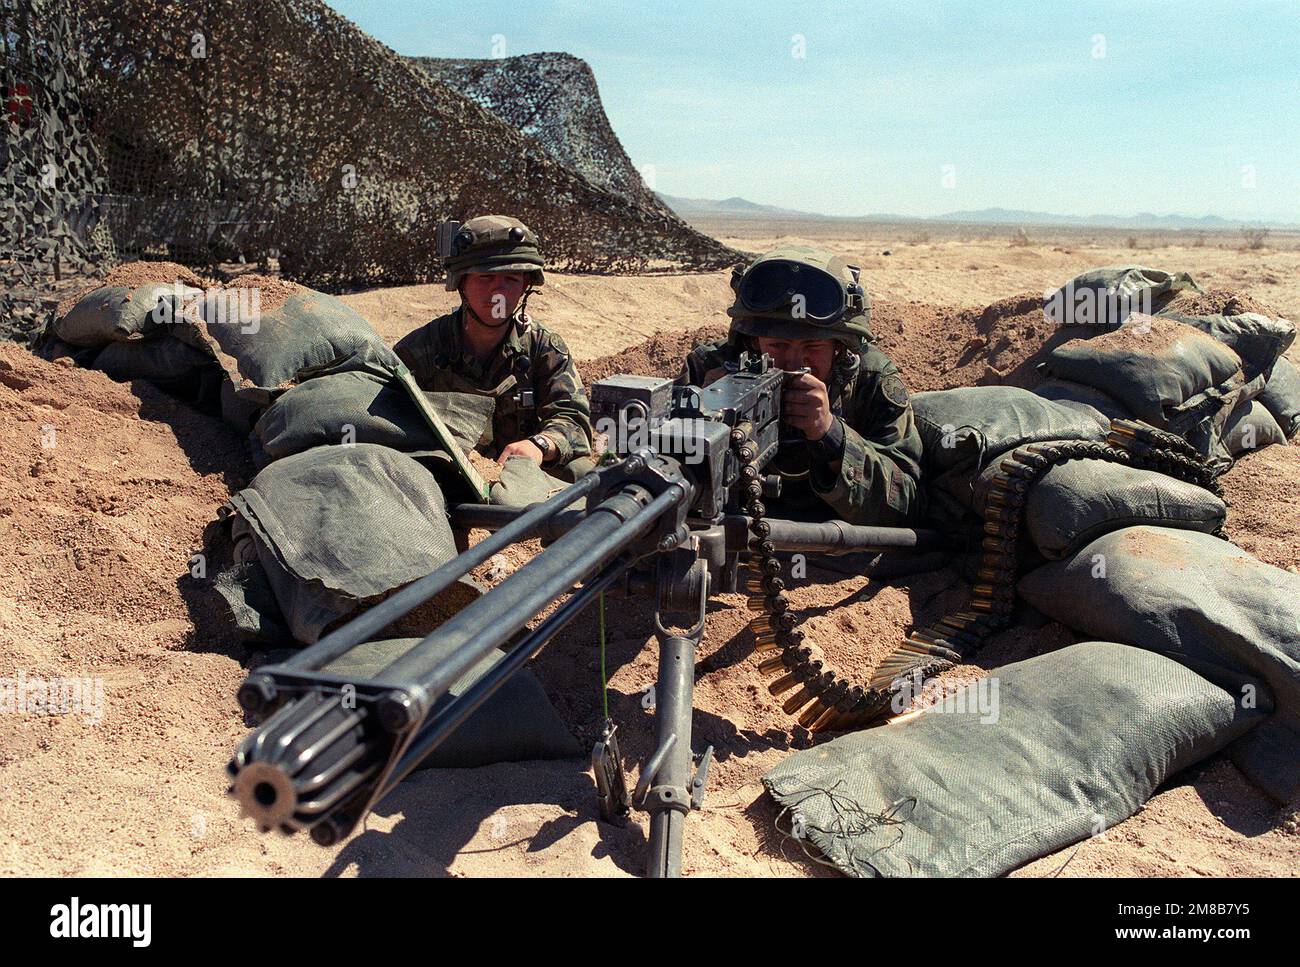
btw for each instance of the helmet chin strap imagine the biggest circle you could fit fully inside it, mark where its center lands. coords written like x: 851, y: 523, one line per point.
x: 513, y: 317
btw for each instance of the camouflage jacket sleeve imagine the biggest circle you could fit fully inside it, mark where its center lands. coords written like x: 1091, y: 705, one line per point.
x: 417, y: 349
x: 563, y: 412
x: 878, y: 475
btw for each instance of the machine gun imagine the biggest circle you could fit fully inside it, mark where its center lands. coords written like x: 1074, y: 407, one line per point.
x: 671, y: 517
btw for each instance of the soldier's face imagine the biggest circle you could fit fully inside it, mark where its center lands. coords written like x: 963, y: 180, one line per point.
x: 493, y: 295
x: 817, y: 354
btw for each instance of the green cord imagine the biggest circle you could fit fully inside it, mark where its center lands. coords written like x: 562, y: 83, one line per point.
x: 604, y: 685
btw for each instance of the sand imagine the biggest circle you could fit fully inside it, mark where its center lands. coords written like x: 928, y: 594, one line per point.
x: 99, y: 531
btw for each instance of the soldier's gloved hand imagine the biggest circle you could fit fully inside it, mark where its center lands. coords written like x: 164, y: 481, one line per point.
x: 806, y: 405
x: 521, y: 448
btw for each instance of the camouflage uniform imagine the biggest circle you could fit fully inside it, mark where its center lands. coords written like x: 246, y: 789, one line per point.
x: 867, y: 468
x: 530, y: 373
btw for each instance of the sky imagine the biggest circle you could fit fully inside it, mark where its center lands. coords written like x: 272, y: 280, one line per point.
x: 921, y: 108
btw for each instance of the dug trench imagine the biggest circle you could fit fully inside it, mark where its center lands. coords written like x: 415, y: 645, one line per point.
x: 106, y: 509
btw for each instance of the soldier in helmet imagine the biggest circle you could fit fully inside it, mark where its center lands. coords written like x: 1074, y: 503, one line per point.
x: 851, y: 449
x: 490, y: 345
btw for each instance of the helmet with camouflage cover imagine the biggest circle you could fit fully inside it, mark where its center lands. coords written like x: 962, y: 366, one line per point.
x: 800, y: 292
x: 493, y: 243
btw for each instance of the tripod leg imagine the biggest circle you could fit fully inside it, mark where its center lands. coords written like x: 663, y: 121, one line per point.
x: 669, y: 798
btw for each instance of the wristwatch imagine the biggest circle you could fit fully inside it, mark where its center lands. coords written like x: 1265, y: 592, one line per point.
x: 543, y: 443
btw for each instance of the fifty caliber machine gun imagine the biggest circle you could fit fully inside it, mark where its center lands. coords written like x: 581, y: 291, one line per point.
x: 675, y: 518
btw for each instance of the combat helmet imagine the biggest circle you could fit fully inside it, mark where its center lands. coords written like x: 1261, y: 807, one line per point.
x: 800, y: 292
x: 489, y: 243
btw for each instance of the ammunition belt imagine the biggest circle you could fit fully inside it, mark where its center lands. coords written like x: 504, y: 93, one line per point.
x: 824, y: 699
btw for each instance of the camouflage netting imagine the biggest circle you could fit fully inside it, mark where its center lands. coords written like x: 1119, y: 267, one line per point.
x: 50, y: 169
x: 228, y: 129
x: 553, y: 99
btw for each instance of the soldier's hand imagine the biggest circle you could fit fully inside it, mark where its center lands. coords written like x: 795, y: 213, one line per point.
x: 521, y: 448
x: 713, y: 375
x: 806, y: 405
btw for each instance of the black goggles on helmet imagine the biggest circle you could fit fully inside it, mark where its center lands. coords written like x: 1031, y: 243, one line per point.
x: 810, y: 292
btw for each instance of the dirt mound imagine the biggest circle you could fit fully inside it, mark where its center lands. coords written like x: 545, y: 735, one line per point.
x: 272, y: 292
x: 661, y: 355
x: 104, y: 499
x: 1219, y: 301
x: 942, y: 347
x: 935, y: 347
x: 132, y: 274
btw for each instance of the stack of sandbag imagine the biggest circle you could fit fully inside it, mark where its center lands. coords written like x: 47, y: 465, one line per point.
x: 268, y: 335
x: 1040, y: 754
x: 330, y: 530
x: 1079, y: 500
x: 348, y: 505
x: 1164, y: 372
x: 1268, y: 408
x: 1206, y: 604
x: 1281, y: 397
x: 1126, y: 363
x: 125, y: 331
x: 968, y: 433
x: 365, y: 401
x: 259, y: 337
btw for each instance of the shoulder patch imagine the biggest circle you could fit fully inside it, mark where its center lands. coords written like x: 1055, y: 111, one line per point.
x: 892, y: 388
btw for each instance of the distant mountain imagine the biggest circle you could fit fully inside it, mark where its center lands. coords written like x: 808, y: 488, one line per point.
x: 995, y: 216
x: 732, y: 208
x: 743, y: 208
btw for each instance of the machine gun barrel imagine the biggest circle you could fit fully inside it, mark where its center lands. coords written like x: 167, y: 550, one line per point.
x: 470, y: 634
x: 809, y: 537
x: 326, y: 755
x: 836, y: 536
x: 520, y: 527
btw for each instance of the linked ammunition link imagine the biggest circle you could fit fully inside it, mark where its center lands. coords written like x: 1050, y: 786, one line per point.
x: 828, y: 701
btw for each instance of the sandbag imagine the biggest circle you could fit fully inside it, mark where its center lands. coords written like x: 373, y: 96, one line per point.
x: 1250, y: 427
x: 1080, y: 500
x: 265, y: 353
x: 1106, y: 296
x: 516, y: 723
x: 50, y: 347
x: 1070, y: 743
x: 1153, y: 365
x: 1205, y: 603
x: 965, y: 430
x: 160, y: 358
x: 116, y: 313
x: 338, y: 527
x: 1255, y: 338
x: 251, y: 610
x: 960, y: 426
x: 467, y: 415
x: 1281, y: 396
x: 365, y: 406
x: 348, y: 407
x: 1064, y: 391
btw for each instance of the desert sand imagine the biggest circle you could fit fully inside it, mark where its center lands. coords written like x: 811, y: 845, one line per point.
x: 99, y: 533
